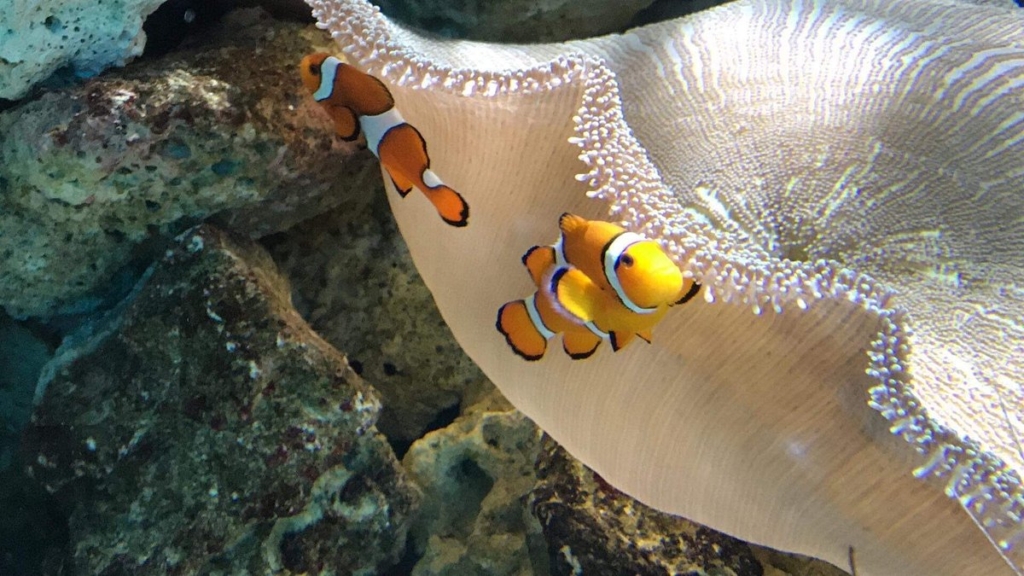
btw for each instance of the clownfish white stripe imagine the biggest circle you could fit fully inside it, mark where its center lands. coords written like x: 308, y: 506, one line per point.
x: 538, y: 323
x: 431, y: 179
x: 596, y: 331
x: 328, y: 71
x: 615, y: 248
x: 375, y: 127
x: 560, y: 259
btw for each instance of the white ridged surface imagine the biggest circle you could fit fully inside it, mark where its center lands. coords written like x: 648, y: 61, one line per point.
x: 851, y: 171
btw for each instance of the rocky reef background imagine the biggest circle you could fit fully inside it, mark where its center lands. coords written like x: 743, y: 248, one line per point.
x: 216, y: 355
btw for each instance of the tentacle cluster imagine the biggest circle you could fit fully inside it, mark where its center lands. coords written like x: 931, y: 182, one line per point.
x: 735, y: 270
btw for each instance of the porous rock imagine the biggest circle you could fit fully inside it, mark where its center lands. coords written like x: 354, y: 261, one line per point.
x: 206, y: 427
x: 476, y: 475
x: 38, y: 38
x: 355, y: 283
x: 98, y: 176
x: 592, y: 528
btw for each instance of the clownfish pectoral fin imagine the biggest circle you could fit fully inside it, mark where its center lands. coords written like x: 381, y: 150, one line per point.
x: 346, y: 123
x: 516, y: 325
x: 580, y: 345
x: 646, y: 335
x: 574, y: 292
x: 402, y: 191
x: 688, y: 294
x: 450, y: 205
x: 620, y: 339
x: 403, y: 184
x: 537, y: 260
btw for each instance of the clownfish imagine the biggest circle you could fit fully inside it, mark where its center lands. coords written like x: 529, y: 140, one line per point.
x: 361, y: 104
x: 529, y: 323
x: 601, y: 282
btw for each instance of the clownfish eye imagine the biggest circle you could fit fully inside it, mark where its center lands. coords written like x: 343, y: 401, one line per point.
x: 314, y: 69
x: 626, y: 260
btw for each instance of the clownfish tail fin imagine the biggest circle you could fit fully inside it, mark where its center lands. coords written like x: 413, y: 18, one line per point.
x: 567, y: 222
x: 449, y: 204
x: 580, y: 345
x: 688, y: 294
x: 537, y: 260
x: 516, y: 324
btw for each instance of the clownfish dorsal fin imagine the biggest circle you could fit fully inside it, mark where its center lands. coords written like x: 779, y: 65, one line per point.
x: 574, y: 293
x: 570, y: 223
x: 580, y: 345
x: 688, y: 293
x: 620, y: 339
x: 365, y: 94
x: 382, y: 91
x: 646, y: 335
x: 537, y: 260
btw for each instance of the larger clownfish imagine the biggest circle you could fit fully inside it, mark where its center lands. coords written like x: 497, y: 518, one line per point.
x: 600, y: 280
x: 359, y: 103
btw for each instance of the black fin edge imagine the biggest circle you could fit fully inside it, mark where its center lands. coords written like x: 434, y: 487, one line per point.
x: 581, y: 355
x: 463, y: 220
x: 615, y: 342
x: 694, y: 289
x: 508, y: 337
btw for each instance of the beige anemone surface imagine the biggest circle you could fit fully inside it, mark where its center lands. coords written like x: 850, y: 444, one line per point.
x: 845, y: 178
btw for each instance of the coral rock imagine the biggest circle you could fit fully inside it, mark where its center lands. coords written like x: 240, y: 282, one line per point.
x: 206, y: 425
x: 95, y: 177
x: 38, y: 38
x: 592, y: 528
x: 476, y: 475
x: 378, y: 311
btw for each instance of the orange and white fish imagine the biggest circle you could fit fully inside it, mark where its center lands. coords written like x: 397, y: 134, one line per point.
x: 358, y: 104
x: 600, y: 279
x: 636, y: 270
x: 528, y: 324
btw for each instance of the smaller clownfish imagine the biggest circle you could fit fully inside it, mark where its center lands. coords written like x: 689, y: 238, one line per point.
x: 361, y: 104
x: 598, y: 280
x: 528, y: 324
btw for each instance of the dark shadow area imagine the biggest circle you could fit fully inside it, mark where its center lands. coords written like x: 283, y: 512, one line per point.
x: 442, y: 420
x: 33, y: 530
x: 176, y: 20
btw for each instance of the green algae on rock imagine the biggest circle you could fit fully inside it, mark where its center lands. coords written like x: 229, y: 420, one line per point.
x: 97, y: 176
x: 849, y: 171
x: 476, y: 475
x: 207, y: 427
